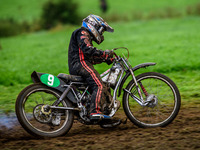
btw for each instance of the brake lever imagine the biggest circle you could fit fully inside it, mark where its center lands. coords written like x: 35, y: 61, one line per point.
x: 116, y: 56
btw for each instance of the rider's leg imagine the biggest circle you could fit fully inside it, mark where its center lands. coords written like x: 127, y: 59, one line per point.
x: 93, y: 79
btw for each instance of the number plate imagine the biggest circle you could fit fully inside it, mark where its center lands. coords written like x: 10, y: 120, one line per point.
x: 50, y: 80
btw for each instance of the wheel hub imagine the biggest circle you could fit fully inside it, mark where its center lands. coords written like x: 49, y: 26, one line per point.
x: 42, y: 114
x: 46, y: 110
x: 151, y: 100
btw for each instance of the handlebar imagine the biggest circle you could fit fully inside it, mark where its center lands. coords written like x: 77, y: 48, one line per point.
x: 120, y: 48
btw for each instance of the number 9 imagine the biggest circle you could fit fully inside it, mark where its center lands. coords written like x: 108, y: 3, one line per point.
x: 50, y: 79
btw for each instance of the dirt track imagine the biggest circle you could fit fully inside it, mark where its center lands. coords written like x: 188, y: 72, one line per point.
x: 183, y: 133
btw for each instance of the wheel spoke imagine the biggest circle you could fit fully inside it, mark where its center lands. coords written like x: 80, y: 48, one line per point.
x: 42, y: 122
x: 161, y: 98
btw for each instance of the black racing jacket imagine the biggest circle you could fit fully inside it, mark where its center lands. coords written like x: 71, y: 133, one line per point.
x: 81, y: 44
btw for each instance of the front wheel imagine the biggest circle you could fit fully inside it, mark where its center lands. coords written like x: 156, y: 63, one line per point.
x: 161, y: 96
x: 35, y: 117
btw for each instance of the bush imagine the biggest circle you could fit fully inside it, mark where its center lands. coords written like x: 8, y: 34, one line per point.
x: 53, y: 13
x: 9, y: 27
x: 194, y: 10
x: 59, y: 11
x: 168, y: 12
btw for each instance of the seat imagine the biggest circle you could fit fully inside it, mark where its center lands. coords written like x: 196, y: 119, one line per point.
x: 72, y: 78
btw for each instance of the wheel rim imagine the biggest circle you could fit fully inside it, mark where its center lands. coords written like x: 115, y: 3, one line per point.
x: 166, y: 101
x: 32, y: 103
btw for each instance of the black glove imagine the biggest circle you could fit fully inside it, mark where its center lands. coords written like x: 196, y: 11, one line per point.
x: 108, y: 53
x: 108, y: 56
x: 109, y: 61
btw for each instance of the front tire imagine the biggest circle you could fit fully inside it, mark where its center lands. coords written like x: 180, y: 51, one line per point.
x: 52, y: 123
x: 163, y: 96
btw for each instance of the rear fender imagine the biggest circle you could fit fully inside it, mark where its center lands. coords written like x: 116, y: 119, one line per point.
x: 144, y: 65
x: 52, y: 82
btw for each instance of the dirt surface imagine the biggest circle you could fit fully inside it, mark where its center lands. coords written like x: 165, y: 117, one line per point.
x: 182, y: 133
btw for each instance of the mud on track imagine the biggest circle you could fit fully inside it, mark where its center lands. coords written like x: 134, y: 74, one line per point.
x: 183, y: 133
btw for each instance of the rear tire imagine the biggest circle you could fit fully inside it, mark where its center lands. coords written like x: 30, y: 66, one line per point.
x: 162, y: 110
x: 28, y: 104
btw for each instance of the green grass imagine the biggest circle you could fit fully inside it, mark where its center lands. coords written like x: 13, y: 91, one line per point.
x: 8, y: 95
x: 172, y: 43
x: 129, y: 6
x: 23, y: 10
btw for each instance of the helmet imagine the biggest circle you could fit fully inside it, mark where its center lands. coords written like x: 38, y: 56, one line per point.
x: 96, y: 26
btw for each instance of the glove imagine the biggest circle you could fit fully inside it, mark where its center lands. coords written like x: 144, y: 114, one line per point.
x: 108, y: 56
x: 109, y: 60
x: 97, y: 60
x: 108, y: 53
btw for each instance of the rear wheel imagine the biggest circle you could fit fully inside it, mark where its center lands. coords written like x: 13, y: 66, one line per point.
x: 161, y: 96
x: 35, y: 116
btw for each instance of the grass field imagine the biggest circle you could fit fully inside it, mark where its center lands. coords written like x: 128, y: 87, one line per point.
x: 172, y: 43
x: 129, y: 6
x: 22, y: 10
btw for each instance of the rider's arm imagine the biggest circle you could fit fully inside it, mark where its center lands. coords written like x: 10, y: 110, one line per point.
x: 95, y: 55
x: 86, y: 46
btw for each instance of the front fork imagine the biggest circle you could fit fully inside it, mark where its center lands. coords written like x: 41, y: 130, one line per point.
x: 140, y: 100
x: 143, y: 89
x: 137, y: 86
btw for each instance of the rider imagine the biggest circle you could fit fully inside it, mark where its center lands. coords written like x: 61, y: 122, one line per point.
x: 82, y: 56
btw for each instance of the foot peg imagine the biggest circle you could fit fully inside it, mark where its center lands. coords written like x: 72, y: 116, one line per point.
x: 99, y: 117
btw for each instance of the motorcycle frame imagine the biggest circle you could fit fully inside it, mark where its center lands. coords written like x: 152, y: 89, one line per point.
x: 122, y: 78
x: 69, y: 92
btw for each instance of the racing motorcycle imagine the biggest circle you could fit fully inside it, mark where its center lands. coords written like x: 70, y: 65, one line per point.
x: 48, y: 107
